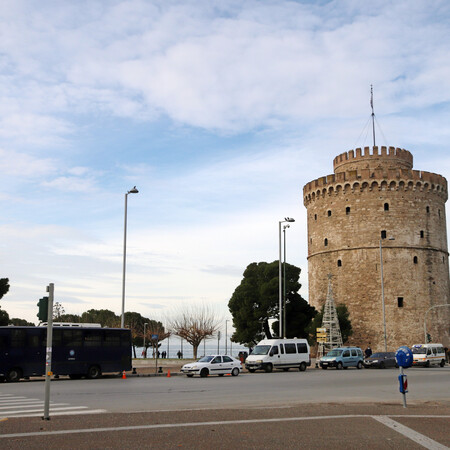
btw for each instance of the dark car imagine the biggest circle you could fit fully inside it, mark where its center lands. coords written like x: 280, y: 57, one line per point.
x: 381, y: 360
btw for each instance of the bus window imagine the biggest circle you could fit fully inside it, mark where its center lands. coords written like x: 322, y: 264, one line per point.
x: 112, y: 339
x: 33, y: 341
x: 18, y: 338
x: 72, y: 338
x: 125, y: 339
x: 93, y: 338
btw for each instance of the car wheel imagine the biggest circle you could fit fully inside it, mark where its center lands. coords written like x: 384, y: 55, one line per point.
x: 94, y: 372
x: 302, y: 367
x: 189, y: 375
x: 382, y: 365
x: 359, y: 365
x: 268, y: 368
x: 251, y: 370
x: 14, y: 375
x: 204, y: 373
x: 235, y: 372
x: 442, y: 364
x: 339, y: 366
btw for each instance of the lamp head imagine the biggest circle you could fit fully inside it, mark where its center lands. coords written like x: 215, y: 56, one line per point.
x: 289, y: 219
x: 133, y: 191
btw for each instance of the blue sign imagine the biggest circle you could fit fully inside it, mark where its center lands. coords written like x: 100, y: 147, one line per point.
x: 404, y: 356
x: 155, y: 337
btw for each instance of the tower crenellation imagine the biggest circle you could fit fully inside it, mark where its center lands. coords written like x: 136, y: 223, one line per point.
x: 375, y: 198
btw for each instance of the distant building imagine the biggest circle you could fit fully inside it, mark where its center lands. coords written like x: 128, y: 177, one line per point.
x: 374, y: 195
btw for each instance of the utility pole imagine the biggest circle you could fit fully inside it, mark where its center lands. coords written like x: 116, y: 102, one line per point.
x: 48, y: 356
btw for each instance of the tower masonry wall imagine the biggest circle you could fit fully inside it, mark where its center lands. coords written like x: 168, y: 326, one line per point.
x: 348, y: 214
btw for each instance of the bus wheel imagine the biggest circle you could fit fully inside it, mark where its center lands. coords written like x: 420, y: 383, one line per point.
x: 94, y: 372
x: 14, y: 375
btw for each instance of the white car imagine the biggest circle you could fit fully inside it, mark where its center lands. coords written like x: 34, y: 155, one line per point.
x: 213, y: 365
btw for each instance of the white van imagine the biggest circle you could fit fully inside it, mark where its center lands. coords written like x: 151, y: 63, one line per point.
x: 283, y: 354
x: 428, y: 355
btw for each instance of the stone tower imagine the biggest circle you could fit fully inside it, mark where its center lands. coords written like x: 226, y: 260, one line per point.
x: 374, y: 197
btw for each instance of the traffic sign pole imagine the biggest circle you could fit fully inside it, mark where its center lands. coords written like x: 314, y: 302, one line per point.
x: 48, y: 357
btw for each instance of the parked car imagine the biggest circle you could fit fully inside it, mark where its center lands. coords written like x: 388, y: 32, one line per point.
x: 213, y: 365
x: 342, y: 358
x: 428, y: 355
x: 381, y: 360
x: 282, y: 354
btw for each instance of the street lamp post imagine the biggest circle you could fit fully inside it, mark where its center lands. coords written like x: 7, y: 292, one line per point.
x: 382, y: 293
x: 280, y: 293
x: 122, y: 318
x: 226, y: 337
x: 145, y: 350
x: 284, y: 278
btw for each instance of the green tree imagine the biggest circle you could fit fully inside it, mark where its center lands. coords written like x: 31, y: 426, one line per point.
x: 4, y: 288
x: 71, y: 318
x: 20, y: 322
x: 256, y: 301
x: 344, y: 323
x: 104, y: 317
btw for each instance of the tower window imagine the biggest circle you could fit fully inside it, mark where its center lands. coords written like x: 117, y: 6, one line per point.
x: 339, y: 263
x: 315, y: 216
x: 439, y: 212
x: 421, y: 233
x: 329, y: 212
x: 428, y: 209
x: 415, y: 259
x: 383, y: 234
x: 386, y: 206
x: 347, y: 210
x: 325, y: 242
x: 400, y: 302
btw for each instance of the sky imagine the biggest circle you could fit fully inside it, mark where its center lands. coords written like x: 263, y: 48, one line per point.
x: 219, y: 112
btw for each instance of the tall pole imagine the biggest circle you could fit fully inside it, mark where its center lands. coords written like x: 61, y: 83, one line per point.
x: 382, y: 297
x: 382, y: 292
x: 284, y: 280
x: 145, y: 326
x: 373, y: 114
x: 48, y: 356
x: 280, y: 289
x: 226, y: 337
x: 122, y: 317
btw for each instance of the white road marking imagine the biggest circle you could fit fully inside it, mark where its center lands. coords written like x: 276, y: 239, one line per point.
x: 419, y: 438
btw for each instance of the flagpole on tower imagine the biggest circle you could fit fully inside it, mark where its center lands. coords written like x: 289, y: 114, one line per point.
x: 373, y: 114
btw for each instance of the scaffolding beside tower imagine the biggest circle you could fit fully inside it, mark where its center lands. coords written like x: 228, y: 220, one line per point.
x: 332, y: 336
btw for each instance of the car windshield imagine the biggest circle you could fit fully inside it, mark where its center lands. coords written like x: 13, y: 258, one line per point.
x: 261, y: 350
x: 334, y: 353
x: 206, y: 359
x: 419, y: 351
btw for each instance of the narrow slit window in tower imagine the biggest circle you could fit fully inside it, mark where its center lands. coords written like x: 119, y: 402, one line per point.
x: 339, y: 263
x: 421, y: 234
x: 386, y: 206
x: 329, y: 212
x: 400, y: 302
x: 315, y: 216
x: 383, y: 234
x: 415, y: 259
x: 347, y: 210
x: 428, y: 209
x: 325, y: 242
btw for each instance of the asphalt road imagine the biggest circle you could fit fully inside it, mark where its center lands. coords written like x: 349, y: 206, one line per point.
x: 247, y: 390
x: 312, y: 409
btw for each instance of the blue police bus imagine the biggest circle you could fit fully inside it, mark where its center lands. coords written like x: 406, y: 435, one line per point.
x: 78, y: 350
